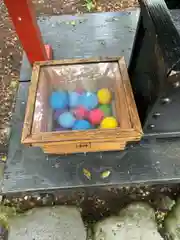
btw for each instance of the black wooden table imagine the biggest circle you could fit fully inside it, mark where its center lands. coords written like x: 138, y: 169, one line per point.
x: 150, y: 161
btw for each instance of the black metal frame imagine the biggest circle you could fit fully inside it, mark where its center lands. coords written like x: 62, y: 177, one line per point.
x: 173, y: 4
x: 154, y: 70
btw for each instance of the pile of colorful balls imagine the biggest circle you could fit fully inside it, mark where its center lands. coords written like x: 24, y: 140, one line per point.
x: 82, y: 110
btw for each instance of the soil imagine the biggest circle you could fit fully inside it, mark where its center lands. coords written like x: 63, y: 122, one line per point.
x: 11, y: 50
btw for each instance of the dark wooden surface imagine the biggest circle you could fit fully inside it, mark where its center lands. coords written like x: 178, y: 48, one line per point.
x: 91, y: 35
x: 29, y: 169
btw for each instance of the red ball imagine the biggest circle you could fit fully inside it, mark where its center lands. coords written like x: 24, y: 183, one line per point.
x: 95, y: 116
x: 80, y: 112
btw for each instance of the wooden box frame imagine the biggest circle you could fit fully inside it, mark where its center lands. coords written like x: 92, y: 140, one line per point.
x: 90, y: 140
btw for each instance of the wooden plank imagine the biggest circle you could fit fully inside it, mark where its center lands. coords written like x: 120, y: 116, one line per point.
x: 83, y: 147
x: 29, y: 170
x: 77, y: 61
x: 121, y: 103
x: 134, y: 116
x: 88, y: 36
x: 28, y: 120
x: 82, y: 135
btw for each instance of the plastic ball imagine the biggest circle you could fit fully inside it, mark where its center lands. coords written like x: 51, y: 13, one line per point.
x: 58, y: 112
x: 82, y: 125
x: 109, y: 122
x: 73, y: 99
x: 66, y: 120
x: 106, y: 109
x: 80, y: 112
x: 95, y: 116
x: 104, y: 96
x: 58, y: 100
x: 88, y: 100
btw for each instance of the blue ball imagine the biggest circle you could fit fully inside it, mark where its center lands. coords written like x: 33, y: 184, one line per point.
x: 73, y: 99
x: 59, y: 100
x: 66, y: 120
x: 82, y: 125
x: 89, y: 100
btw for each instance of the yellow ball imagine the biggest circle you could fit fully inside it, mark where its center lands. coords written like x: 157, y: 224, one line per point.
x: 109, y: 122
x: 104, y: 96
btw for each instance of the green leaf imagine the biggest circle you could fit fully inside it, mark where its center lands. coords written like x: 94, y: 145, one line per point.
x: 73, y: 23
x: 89, y: 6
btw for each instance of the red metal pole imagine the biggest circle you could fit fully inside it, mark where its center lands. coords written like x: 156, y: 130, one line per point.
x: 25, y: 23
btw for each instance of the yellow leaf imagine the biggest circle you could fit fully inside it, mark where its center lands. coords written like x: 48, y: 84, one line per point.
x: 105, y: 174
x: 4, y: 158
x: 87, y: 173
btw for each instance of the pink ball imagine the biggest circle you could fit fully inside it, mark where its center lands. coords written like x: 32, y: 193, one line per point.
x: 95, y: 116
x: 80, y: 112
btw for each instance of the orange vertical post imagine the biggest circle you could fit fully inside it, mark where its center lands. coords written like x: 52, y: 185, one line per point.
x: 24, y: 19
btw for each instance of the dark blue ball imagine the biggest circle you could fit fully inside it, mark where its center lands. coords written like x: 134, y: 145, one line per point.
x: 59, y: 100
x: 82, y: 125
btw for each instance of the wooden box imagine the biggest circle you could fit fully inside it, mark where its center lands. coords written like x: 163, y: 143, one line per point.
x: 89, y: 74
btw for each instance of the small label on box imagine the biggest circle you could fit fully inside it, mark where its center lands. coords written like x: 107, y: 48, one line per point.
x: 83, y: 145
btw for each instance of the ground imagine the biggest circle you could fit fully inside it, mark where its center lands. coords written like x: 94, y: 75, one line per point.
x: 11, y: 50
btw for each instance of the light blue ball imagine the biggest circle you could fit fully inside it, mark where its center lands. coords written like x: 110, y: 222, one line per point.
x: 89, y: 100
x: 58, y: 112
x: 82, y: 125
x: 66, y: 120
x: 73, y: 99
x: 59, y: 100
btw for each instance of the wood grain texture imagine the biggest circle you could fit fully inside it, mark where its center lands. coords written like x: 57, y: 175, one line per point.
x: 77, y: 61
x: 49, y: 137
x: 83, y: 147
x: 92, y: 140
x: 132, y: 109
x: 86, y: 145
x: 30, y: 103
x: 121, y: 103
